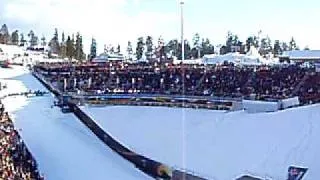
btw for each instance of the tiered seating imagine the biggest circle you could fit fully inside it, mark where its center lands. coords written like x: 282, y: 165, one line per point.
x: 227, y: 80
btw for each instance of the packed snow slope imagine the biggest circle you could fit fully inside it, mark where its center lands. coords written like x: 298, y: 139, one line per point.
x: 63, y: 147
x: 216, y: 144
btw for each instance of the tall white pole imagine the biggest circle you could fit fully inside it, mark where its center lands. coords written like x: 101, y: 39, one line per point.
x: 183, y: 93
x: 182, y: 33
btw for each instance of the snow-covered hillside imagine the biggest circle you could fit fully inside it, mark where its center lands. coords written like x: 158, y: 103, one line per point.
x: 63, y: 147
x: 217, y: 144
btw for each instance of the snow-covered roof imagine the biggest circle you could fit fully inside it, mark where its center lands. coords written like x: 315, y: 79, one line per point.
x: 188, y: 61
x: 108, y: 57
x: 236, y: 58
x: 302, y: 54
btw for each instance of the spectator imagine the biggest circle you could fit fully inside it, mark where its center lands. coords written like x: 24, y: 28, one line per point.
x: 16, y: 162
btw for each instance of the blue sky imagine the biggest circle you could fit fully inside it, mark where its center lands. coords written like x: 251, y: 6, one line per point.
x: 117, y: 21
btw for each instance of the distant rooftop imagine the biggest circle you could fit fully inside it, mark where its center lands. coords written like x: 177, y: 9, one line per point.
x: 302, y: 54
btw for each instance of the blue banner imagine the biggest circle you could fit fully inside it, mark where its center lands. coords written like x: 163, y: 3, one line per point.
x: 296, y: 173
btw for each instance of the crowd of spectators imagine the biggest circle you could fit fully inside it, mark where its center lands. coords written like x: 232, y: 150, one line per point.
x: 226, y: 80
x: 16, y: 162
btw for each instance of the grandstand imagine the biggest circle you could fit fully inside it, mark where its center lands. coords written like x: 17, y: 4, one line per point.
x: 227, y: 82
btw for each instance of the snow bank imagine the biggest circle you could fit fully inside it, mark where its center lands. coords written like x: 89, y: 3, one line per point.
x: 216, y: 144
x: 11, y: 50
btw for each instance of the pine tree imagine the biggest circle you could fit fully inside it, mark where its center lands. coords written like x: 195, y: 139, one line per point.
x: 15, y: 38
x: 265, y: 46
x: 256, y: 42
x: 229, y: 42
x: 79, y: 55
x: 232, y: 40
x: 63, y: 50
x: 111, y: 50
x: 22, y: 40
x: 43, y: 41
x: 62, y: 39
x: 161, y: 49
x: 56, y: 35
x: 70, y: 48
x: 31, y: 36
x: 284, y: 47
x: 73, y: 45
x: 292, y: 44
x: 129, y: 50
x: 187, y: 50
x: 149, y: 46
x: 172, y: 47
x: 140, y: 48
x: 223, y: 50
x: 196, y: 50
x: 249, y: 42
x: 63, y: 47
x: 207, y: 47
x: 54, y: 43
x: 105, y: 49
x: 118, y: 49
x: 277, y: 48
x: 35, y: 41
x: 4, y: 34
x: 93, y: 49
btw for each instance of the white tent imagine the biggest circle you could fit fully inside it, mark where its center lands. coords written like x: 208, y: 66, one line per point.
x: 252, y: 57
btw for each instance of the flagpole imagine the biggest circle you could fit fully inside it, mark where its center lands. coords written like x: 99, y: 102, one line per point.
x: 183, y: 118
x: 182, y: 31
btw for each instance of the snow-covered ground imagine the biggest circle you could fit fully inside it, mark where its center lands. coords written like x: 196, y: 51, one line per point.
x: 217, y: 144
x: 63, y: 147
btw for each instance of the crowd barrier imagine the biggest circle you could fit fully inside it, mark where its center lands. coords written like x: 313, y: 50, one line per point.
x: 290, y: 102
x: 253, y: 106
